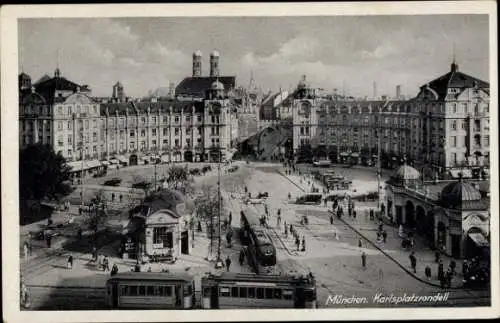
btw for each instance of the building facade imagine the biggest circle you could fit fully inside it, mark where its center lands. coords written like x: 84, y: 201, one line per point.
x: 454, y: 216
x: 62, y: 114
x: 445, y: 128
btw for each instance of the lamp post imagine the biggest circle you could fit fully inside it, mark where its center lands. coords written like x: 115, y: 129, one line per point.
x: 219, y: 260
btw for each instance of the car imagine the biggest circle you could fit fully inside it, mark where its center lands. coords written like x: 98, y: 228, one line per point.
x: 113, y: 182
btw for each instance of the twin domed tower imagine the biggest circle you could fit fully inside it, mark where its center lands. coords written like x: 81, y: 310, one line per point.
x: 214, y: 63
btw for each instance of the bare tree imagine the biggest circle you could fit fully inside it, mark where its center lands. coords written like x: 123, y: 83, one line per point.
x: 98, y: 211
x: 207, y: 207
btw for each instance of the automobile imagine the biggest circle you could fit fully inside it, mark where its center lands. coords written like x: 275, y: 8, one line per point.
x: 309, y: 199
x: 113, y: 182
x: 262, y: 195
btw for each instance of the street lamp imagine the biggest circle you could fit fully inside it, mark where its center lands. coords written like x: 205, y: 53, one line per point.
x: 219, y: 260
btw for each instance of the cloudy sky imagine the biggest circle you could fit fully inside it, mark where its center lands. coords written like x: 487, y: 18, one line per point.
x: 341, y: 52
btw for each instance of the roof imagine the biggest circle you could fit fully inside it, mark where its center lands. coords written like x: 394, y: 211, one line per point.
x: 251, y: 277
x: 43, y: 79
x: 461, y: 195
x: 150, y: 276
x: 454, y: 79
x: 197, y: 86
x: 165, y: 200
x: 121, y: 108
x: 48, y: 88
x: 405, y: 172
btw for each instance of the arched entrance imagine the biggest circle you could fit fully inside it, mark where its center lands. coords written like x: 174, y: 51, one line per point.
x: 420, y: 219
x: 188, y: 156
x: 133, y: 160
x: 441, y: 236
x: 410, y: 214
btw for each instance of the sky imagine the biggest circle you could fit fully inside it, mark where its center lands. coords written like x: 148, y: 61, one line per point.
x: 349, y: 53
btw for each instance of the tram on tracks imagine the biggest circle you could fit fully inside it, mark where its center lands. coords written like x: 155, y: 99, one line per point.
x: 260, y: 251
x: 148, y: 290
x: 239, y: 291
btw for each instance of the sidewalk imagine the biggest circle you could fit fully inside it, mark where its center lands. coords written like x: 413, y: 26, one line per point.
x: 392, y: 249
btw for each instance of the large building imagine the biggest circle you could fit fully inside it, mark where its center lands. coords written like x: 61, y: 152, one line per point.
x: 444, y: 128
x: 61, y: 113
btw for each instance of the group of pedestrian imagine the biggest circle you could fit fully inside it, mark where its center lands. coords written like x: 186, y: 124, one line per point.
x: 381, y: 234
x: 27, y: 248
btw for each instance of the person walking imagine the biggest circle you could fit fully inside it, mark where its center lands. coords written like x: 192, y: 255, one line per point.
x: 363, y: 259
x: 49, y: 240
x: 241, y: 257
x: 230, y: 218
x: 30, y: 246
x: 278, y: 220
x: 114, y: 270
x: 453, y: 266
x: 413, y: 261
x: 331, y: 219
x: 437, y: 256
x: 353, y: 213
x: 70, y: 262
x: 105, y: 263
x: 384, y: 236
x: 228, y: 263
x: 360, y: 243
x: 94, y: 254
x: 304, y: 244
x: 428, y: 273
x: 297, y: 242
x: 25, y: 249
x: 440, y: 270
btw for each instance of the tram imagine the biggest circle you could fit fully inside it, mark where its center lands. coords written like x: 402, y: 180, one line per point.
x: 260, y: 251
x: 147, y: 290
x: 238, y: 291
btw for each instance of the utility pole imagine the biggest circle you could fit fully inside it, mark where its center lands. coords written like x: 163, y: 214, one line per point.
x: 155, y: 177
x: 219, y: 260
x: 81, y: 176
x: 379, y: 170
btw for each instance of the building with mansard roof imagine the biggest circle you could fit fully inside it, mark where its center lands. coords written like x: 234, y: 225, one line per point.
x: 443, y: 130
x: 61, y: 113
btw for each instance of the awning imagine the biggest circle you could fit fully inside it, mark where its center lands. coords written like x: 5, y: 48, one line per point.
x: 75, y: 166
x: 479, y: 239
x: 93, y: 164
x: 122, y: 159
x: 354, y: 155
x: 466, y: 173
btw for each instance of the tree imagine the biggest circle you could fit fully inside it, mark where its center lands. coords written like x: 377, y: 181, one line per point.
x: 98, y: 213
x: 43, y: 175
x: 178, y: 178
x: 207, y: 209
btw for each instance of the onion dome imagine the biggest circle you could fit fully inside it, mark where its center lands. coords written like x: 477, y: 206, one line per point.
x: 407, y: 173
x: 217, y: 85
x: 459, y: 195
x: 214, y: 54
x: 197, y: 54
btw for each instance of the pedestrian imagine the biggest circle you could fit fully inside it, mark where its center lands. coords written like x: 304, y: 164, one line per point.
x: 449, y: 277
x: 363, y: 259
x: 303, y: 243
x: 70, y: 262
x: 30, y: 246
x: 49, y: 240
x: 149, y: 269
x: 428, y: 272
x: 354, y: 213
x: 94, y: 254
x: 453, y: 266
x: 413, y: 261
x: 442, y: 281
x: 384, y: 236
x: 465, y: 268
x: 331, y: 219
x: 228, y: 263
x: 230, y: 218
x: 291, y: 229
x: 25, y: 249
x: 297, y: 242
x: 437, y: 255
x: 105, y: 263
x: 114, y: 270
x: 360, y: 243
x: 278, y: 220
x: 325, y: 201
x: 241, y: 257
x: 378, y: 236
x: 440, y: 270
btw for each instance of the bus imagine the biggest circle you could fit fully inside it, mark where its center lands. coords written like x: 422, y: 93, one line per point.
x: 149, y: 290
x: 242, y: 290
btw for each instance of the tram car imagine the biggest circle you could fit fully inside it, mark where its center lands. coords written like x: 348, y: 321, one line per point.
x: 148, y: 290
x: 260, y: 251
x: 241, y: 290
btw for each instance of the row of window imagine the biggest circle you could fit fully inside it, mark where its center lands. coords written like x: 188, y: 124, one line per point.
x: 256, y: 292
x: 456, y: 141
x: 141, y: 290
